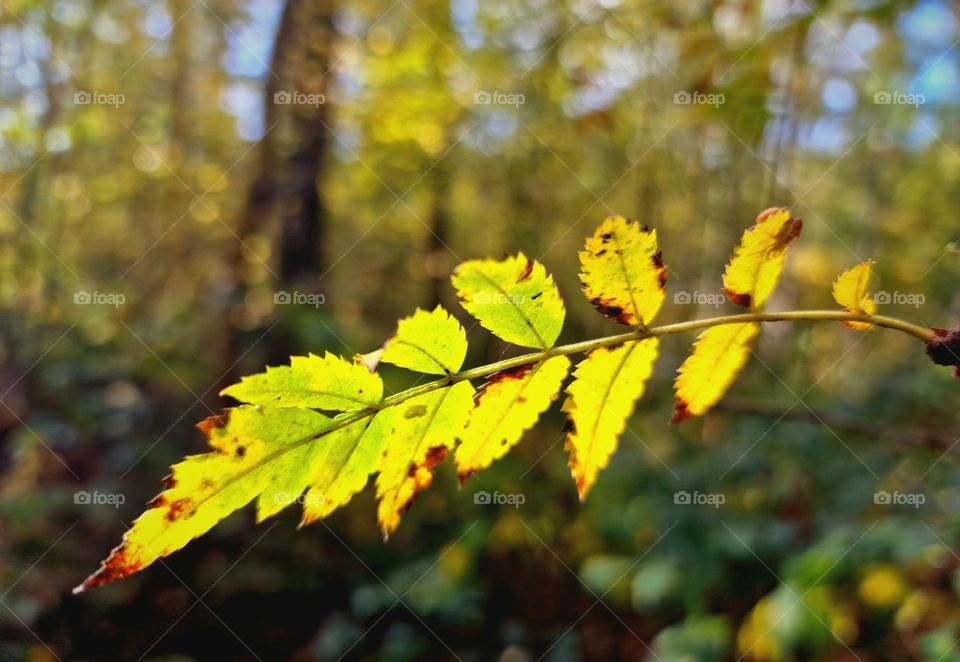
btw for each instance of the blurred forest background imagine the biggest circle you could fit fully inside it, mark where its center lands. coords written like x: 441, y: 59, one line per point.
x: 192, y: 189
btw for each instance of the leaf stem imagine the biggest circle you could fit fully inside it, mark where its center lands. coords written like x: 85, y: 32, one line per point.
x: 584, y: 346
x: 919, y: 332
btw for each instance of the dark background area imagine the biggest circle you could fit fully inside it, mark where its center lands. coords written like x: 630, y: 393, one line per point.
x: 173, y: 174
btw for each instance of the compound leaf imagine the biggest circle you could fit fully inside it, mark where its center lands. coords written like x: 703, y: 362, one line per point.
x: 850, y: 291
x: 514, y: 298
x: 506, y: 405
x: 311, y: 382
x: 254, y: 451
x: 622, y: 272
x: 420, y: 432
x: 718, y: 356
x: 601, y: 398
x: 755, y: 268
x: 430, y: 342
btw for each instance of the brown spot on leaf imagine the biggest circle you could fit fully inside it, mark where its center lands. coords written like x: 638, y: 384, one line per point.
x: 509, y: 374
x: 767, y: 213
x: 208, y: 425
x: 177, y: 509
x: 422, y: 475
x: 527, y: 270
x: 611, y: 310
x: 788, y: 233
x: 661, y: 268
x: 168, y: 482
x: 739, y: 298
x: 118, y: 565
x: 681, y: 411
x: 435, y: 456
x: 240, y: 451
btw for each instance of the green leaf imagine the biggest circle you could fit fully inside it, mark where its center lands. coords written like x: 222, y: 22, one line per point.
x: 431, y: 342
x: 312, y: 382
x: 514, y: 298
x: 508, y: 404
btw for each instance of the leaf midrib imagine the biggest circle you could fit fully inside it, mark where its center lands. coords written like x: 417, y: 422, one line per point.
x: 526, y: 384
x: 301, y: 392
x: 606, y: 397
x: 626, y: 277
x: 426, y: 353
x: 710, y: 378
x: 519, y: 311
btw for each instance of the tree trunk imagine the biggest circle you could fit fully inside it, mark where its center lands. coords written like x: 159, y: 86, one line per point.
x: 284, y: 194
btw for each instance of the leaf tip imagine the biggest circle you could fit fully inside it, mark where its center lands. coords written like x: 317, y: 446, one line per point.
x: 211, y: 423
x: 742, y: 299
x: 583, y: 486
x: 370, y: 360
x: 681, y: 411
x: 121, y: 563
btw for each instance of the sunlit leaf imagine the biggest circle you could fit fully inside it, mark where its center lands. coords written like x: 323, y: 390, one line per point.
x: 755, y: 268
x: 622, y: 273
x: 514, y: 298
x: 508, y: 404
x: 601, y: 398
x: 341, y: 465
x: 421, y: 431
x: 718, y: 356
x: 850, y: 291
x: 313, y: 382
x: 430, y: 342
x: 258, y: 451
x: 278, y: 450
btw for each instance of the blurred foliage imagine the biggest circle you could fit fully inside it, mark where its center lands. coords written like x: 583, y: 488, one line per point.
x: 131, y: 137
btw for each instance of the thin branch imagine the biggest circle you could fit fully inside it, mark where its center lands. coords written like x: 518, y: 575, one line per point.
x: 584, y: 346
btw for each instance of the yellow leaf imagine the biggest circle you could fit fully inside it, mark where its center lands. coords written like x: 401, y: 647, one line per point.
x: 341, y: 466
x: 257, y: 451
x: 514, y: 298
x: 328, y: 382
x: 850, y: 291
x: 718, y: 355
x: 431, y: 342
x: 622, y: 273
x: 755, y: 268
x: 421, y: 431
x: 508, y: 404
x: 601, y: 398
